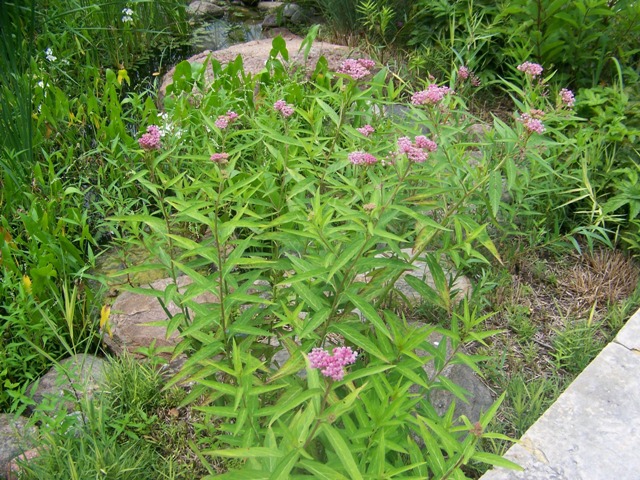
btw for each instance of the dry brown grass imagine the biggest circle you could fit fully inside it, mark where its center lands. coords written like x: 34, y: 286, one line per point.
x: 552, y: 294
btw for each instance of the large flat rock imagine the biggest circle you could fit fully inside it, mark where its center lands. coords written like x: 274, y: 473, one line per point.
x: 255, y: 54
x: 133, y: 316
x: 592, y: 432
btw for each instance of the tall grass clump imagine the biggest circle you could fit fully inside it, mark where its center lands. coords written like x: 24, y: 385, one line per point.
x: 60, y: 108
x: 16, y: 87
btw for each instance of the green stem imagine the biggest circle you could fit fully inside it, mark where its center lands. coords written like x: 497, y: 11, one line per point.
x: 323, y: 405
x: 220, y: 255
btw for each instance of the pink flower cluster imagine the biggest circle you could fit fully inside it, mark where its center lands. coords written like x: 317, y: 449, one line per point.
x: 529, y: 68
x: 432, y: 95
x: 465, y: 74
x: 285, y: 109
x: 332, y: 366
x: 366, y: 130
x: 567, y: 97
x: 532, y: 123
x: 418, y: 150
x: 151, y: 139
x: 223, y: 121
x: 220, y: 157
x: 362, y: 158
x: 356, y: 68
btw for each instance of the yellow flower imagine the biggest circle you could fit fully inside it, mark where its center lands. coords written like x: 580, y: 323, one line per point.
x: 26, y: 283
x: 104, y: 319
x: 123, y: 75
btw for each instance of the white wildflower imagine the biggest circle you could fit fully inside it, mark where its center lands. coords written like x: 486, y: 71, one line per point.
x: 49, y: 55
x: 127, y: 15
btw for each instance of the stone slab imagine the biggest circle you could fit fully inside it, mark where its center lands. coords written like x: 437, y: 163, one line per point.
x: 592, y: 432
x: 629, y: 335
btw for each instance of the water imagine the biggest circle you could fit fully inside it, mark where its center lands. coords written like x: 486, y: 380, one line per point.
x: 239, y: 25
x: 220, y: 33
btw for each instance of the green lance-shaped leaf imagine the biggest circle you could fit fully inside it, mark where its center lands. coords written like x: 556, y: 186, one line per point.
x: 342, y: 450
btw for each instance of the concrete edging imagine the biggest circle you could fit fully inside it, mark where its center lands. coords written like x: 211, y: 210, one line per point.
x: 592, y: 431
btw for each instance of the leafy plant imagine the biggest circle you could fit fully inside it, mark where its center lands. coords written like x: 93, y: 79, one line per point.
x: 575, y: 347
x: 300, y: 210
x: 90, y: 447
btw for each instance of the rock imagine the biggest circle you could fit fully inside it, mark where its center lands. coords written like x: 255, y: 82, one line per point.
x: 290, y: 9
x: 461, y: 284
x: 110, y: 263
x: 205, y: 9
x: 131, y: 312
x: 479, y: 399
x: 242, y: 14
x: 15, y: 438
x: 478, y: 132
x: 256, y: 53
x: 82, y: 375
x: 268, y: 5
x: 271, y: 21
x: 299, y: 17
x: 13, y: 472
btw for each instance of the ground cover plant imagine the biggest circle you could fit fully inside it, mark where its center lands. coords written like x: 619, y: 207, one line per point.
x: 298, y: 201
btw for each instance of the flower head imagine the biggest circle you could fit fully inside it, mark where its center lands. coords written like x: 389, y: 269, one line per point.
x: 431, y: 96
x: 151, y: 139
x: 356, y: 68
x: 223, y: 121
x: 531, y: 123
x: 366, y: 130
x: 463, y: 72
x: 26, y: 283
x: 369, y: 207
x: 105, y: 313
x: 220, y: 158
x: 49, y: 55
x: 567, y: 97
x: 529, y: 68
x: 284, y: 108
x: 362, y: 158
x: 423, y: 142
x: 418, y: 150
x: 332, y: 365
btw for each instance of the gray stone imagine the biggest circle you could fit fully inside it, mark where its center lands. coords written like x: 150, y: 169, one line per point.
x: 16, y: 437
x: 206, y: 9
x: 13, y: 470
x: 271, y: 21
x: 478, y: 400
x: 479, y: 397
x: 269, y: 5
x: 243, y: 14
x: 402, y: 113
x: 290, y: 9
x: 592, y: 432
x: 81, y: 375
x: 478, y: 132
x: 299, y: 17
x: 629, y: 335
x: 131, y: 314
x: 461, y: 284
